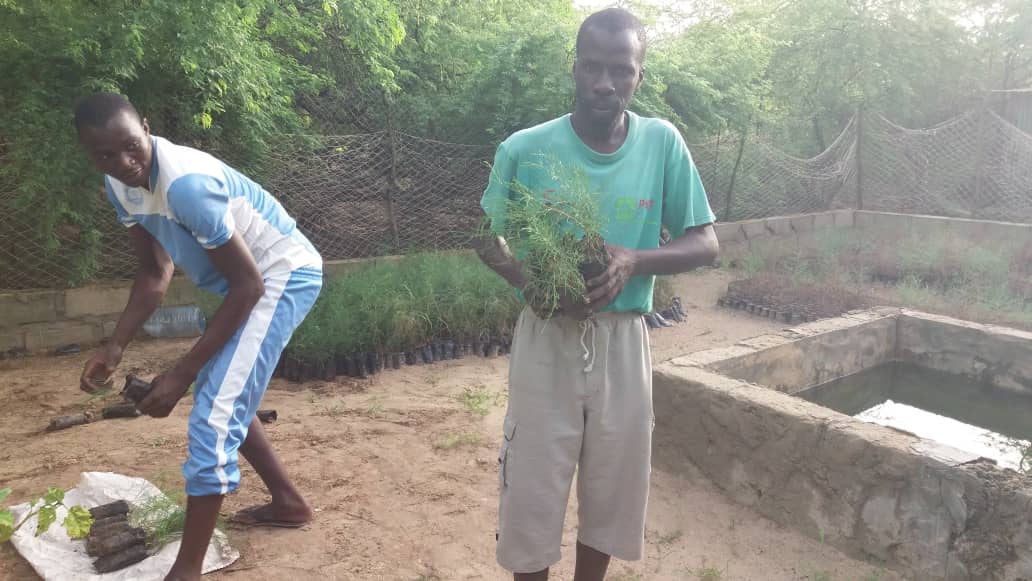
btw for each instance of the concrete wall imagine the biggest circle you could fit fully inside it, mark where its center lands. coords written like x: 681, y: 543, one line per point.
x: 889, y: 226
x: 39, y: 321
x: 819, y: 352
x: 738, y: 238
x: 42, y: 320
x: 811, y: 354
x: 929, y: 512
x: 996, y: 355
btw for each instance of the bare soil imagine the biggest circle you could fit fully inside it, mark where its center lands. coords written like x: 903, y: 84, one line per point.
x: 402, y: 473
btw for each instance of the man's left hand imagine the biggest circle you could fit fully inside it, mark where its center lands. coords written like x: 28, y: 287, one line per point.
x: 604, y: 288
x: 166, y: 391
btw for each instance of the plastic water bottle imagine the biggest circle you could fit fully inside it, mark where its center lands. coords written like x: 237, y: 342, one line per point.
x: 187, y: 321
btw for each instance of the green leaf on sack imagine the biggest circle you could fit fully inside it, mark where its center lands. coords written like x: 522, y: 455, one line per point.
x: 54, y: 496
x: 78, y: 522
x: 47, y: 516
x: 6, y: 525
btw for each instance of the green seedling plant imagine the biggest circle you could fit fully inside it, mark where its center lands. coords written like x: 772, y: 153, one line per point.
x: 451, y: 441
x: 398, y: 305
x: 476, y: 400
x: 161, y: 517
x: 77, y: 523
x: 557, y: 236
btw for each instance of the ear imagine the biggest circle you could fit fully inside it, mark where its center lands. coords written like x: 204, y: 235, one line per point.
x: 146, y: 127
x: 641, y: 78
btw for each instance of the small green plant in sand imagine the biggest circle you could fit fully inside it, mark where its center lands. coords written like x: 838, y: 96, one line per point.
x: 333, y: 411
x: 557, y: 235
x: 710, y: 574
x: 476, y: 400
x: 374, y: 408
x: 451, y: 441
x: 77, y: 523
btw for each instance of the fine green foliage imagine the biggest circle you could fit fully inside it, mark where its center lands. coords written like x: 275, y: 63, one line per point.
x: 76, y: 523
x: 394, y: 305
x: 222, y: 76
x: 161, y: 517
x: 557, y: 235
x: 476, y: 400
x: 248, y: 77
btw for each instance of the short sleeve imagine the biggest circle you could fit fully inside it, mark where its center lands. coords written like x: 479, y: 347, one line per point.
x: 684, y: 199
x: 200, y: 203
x: 123, y: 216
x: 495, y: 201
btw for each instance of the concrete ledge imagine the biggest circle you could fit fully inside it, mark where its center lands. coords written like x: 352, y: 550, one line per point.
x: 86, y: 315
x: 804, y: 223
x: 95, y: 300
x: 736, y: 239
x: 30, y: 307
x: 807, y: 355
x: 845, y: 219
x: 729, y: 233
x: 908, y: 225
x: 996, y: 355
x: 45, y: 319
x: 42, y: 336
x: 930, y: 512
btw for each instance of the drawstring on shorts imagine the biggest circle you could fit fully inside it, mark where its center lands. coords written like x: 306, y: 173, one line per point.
x: 589, y: 355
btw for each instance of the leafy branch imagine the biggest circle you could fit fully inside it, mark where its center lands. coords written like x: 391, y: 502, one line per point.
x: 77, y: 523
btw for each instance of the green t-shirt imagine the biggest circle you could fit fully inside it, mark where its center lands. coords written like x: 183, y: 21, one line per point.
x: 650, y: 181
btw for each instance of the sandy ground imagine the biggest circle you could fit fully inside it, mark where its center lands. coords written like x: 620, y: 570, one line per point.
x: 402, y: 473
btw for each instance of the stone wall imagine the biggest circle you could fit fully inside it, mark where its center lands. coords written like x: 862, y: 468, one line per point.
x: 888, y: 226
x: 996, y: 355
x: 928, y: 511
x: 833, y: 348
x: 40, y: 321
x: 36, y: 321
x: 738, y: 238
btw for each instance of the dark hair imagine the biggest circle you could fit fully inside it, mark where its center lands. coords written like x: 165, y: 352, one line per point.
x: 97, y: 109
x: 614, y: 20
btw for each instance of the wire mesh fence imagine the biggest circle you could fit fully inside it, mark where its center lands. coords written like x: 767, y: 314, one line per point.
x: 747, y: 177
x: 381, y: 193
x: 976, y: 165
x: 388, y: 192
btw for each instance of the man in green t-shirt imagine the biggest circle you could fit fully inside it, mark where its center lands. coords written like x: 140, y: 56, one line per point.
x: 580, y: 383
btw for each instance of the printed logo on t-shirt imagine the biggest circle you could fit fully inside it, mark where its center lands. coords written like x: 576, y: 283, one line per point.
x: 629, y: 209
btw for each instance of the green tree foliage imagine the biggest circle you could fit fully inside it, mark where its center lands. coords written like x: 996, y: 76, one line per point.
x: 237, y: 76
x: 219, y: 75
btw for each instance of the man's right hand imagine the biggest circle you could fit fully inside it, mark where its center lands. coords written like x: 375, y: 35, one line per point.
x: 100, y: 367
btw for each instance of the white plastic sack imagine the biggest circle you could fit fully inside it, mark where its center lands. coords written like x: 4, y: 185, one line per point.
x: 57, y: 558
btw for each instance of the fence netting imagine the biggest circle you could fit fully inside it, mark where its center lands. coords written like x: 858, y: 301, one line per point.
x: 387, y: 192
